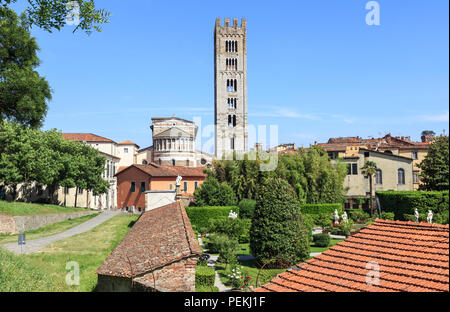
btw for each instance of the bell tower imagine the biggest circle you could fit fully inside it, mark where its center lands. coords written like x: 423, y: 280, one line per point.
x: 230, y: 87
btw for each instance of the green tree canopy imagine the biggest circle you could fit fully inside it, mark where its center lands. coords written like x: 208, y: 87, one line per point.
x: 23, y: 93
x: 435, y: 166
x: 278, y: 232
x: 51, y: 14
x: 213, y: 193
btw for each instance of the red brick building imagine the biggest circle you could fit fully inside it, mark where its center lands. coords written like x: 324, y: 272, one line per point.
x: 135, y: 180
x: 386, y: 256
x: 159, y: 253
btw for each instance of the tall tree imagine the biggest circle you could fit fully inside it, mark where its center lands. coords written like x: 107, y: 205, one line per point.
x: 53, y: 14
x: 370, y: 169
x: 278, y: 233
x: 435, y: 166
x: 23, y: 93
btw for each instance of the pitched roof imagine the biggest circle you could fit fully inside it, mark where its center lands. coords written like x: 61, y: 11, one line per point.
x: 412, y: 257
x: 127, y: 142
x: 170, y: 118
x: 160, y: 237
x: 86, y: 137
x: 155, y: 170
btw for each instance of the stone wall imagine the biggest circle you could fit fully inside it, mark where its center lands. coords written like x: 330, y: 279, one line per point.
x: 176, y: 277
x: 20, y: 224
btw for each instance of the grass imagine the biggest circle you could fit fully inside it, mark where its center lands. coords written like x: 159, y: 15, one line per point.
x: 46, y: 270
x: 322, y: 249
x: 47, y: 230
x: 25, y: 209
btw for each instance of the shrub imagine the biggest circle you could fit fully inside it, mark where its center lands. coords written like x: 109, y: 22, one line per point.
x: 321, y: 240
x: 323, y: 220
x: 247, y: 208
x: 387, y: 215
x: 321, y: 208
x: 213, y: 193
x: 308, y: 220
x: 403, y: 203
x: 233, y: 228
x: 346, y: 227
x: 204, y: 276
x: 356, y: 214
x: 200, y: 216
x: 278, y: 232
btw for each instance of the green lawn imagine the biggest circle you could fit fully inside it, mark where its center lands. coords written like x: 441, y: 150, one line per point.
x: 24, y: 209
x: 322, y: 249
x: 47, y: 230
x: 46, y: 270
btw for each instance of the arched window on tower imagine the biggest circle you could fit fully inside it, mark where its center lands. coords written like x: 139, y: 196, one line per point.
x: 234, y: 120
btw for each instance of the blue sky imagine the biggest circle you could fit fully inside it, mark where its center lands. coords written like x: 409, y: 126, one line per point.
x: 315, y: 68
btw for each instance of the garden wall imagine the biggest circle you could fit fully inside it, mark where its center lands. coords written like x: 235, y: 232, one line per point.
x: 20, y: 224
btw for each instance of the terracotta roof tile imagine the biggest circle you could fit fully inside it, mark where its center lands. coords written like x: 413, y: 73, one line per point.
x: 86, y: 137
x: 160, y: 237
x: 127, y: 142
x: 410, y: 257
x: 155, y: 170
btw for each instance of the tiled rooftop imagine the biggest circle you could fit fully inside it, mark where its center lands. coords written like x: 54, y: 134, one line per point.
x: 167, y: 171
x: 160, y: 237
x: 412, y: 257
x: 86, y: 137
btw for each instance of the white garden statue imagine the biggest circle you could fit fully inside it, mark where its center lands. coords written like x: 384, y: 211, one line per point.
x: 416, y: 215
x: 232, y: 215
x: 336, y: 216
x: 430, y: 216
x: 344, y: 217
x: 178, y: 180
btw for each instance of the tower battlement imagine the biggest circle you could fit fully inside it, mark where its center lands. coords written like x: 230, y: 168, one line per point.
x: 227, y: 24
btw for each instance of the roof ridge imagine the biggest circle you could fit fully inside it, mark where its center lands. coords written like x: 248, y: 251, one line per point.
x: 433, y: 226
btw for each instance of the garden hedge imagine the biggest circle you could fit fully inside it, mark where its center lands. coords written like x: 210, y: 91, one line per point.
x: 320, y: 208
x: 204, y: 276
x: 321, y: 240
x: 200, y: 216
x: 404, y: 203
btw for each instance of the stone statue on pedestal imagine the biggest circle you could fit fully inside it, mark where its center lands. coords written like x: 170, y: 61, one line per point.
x: 336, y: 216
x: 430, y: 216
x: 344, y: 217
x: 416, y: 215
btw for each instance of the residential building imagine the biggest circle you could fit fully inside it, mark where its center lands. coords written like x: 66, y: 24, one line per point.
x: 115, y: 156
x: 386, y: 256
x: 159, y: 253
x: 230, y: 87
x: 400, y: 146
x: 135, y: 181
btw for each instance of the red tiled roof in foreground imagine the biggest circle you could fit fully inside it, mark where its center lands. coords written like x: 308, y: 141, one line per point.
x: 412, y: 257
x: 160, y: 237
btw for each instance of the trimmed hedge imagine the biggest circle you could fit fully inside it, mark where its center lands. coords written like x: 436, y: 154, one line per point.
x: 403, y: 203
x: 204, y: 276
x: 247, y: 208
x: 321, y: 240
x: 200, y: 216
x: 320, y: 208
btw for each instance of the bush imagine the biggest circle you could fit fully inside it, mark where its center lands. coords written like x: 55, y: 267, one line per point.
x: 278, y: 232
x: 387, y: 215
x: 323, y: 220
x: 204, y: 276
x: 247, y: 208
x: 403, y: 203
x: 321, y: 240
x: 224, y: 246
x: 321, y: 208
x: 213, y: 193
x: 357, y: 214
x: 233, y: 228
x: 346, y: 227
x: 200, y: 216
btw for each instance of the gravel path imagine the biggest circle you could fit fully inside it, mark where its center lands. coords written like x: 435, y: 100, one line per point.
x: 212, y: 263
x: 35, y: 245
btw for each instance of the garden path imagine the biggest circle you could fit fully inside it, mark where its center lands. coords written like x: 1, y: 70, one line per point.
x: 35, y: 245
